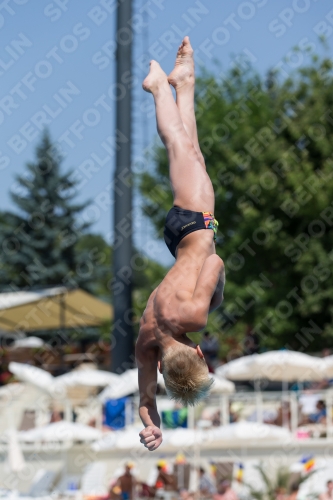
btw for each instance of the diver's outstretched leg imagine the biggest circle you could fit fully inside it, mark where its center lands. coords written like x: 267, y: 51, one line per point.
x: 191, y: 185
x: 182, y: 78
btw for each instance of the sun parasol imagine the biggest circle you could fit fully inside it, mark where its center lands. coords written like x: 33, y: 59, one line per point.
x: 51, y: 308
x: 61, y: 431
x: 284, y: 365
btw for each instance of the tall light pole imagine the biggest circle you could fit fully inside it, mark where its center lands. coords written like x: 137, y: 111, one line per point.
x: 122, y: 334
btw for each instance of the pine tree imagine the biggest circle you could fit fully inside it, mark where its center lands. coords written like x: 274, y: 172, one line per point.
x: 38, y: 243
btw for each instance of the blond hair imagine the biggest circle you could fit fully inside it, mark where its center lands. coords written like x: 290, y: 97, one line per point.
x: 185, y: 375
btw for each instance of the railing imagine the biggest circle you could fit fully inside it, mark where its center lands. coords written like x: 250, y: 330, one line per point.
x: 247, y: 405
x: 255, y: 406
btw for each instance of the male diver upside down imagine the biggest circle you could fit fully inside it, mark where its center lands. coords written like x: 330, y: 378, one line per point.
x: 194, y: 285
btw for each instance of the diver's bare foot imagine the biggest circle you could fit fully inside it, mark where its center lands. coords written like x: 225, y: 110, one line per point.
x: 183, y: 72
x: 155, y: 78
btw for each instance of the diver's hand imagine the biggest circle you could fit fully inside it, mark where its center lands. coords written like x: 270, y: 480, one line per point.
x: 151, y: 437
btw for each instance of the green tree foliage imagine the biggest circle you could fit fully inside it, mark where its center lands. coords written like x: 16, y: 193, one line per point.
x: 40, y: 242
x: 268, y: 149
x: 282, y: 481
x: 93, y: 263
x: 6, y: 272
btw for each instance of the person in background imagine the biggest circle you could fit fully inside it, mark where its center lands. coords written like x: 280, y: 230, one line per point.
x: 283, y: 416
x: 56, y: 416
x: 328, y: 495
x: 177, y: 417
x: 225, y: 492
x: 209, y: 346
x: 186, y: 495
x: 320, y: 416
x: 165, y: 481
x: 92, y: 422
x: 280, y: 493
x: 206, y: 485
x: 216, y: 417
x: 127, y: 483
x: 5, y: 375
x: 294, y: 489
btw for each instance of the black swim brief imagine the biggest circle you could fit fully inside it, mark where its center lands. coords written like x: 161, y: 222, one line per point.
x: 180, y: 222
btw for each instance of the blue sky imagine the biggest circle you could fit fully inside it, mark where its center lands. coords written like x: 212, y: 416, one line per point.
x: 57, y: 68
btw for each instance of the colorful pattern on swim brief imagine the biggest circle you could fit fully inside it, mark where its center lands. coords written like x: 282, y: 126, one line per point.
x: 210, y: 222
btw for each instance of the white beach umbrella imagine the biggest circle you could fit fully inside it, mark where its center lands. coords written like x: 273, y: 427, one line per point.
x: 241, y: 432
x: 126, y: 439
x: 183, y: 438
x: 107, y: 441
x: 327, y: 366
x: 129, y: 439
x: 239, y: 369
x: 57, y: 385
x: 126, y: 384
x: 91, y: 378
x: 289, y: 366
x: 286, y: 366
x: 11, y: 391
x: 61, y: 431
x: 221, y: 385
x: 31, y: 374
x: 237, y: 433
x: 28, y: 342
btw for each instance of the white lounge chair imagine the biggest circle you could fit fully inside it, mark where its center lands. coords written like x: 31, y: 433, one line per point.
x: 68, y: 483
x: 94, y: 479
x: 42, y: 483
